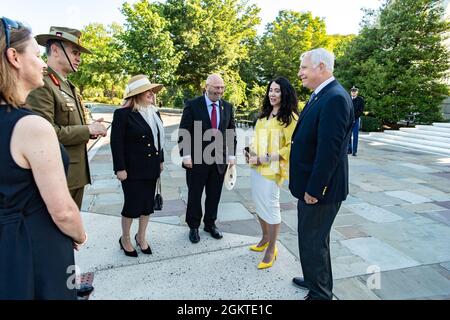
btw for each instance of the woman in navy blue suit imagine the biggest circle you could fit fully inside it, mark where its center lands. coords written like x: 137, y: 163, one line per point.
x: 137, y: 137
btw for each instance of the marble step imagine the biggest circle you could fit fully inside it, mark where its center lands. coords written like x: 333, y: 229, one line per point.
x: 411, y: 145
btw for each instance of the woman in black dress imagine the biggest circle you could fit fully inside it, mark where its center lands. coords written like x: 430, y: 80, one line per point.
x: 137, y: 137
x: 40, y: 224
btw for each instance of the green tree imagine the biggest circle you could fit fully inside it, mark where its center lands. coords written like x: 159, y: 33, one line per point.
x: 338, y: 43
x: 284, y: 40
x: 211, y: 36
x: 149, y: 48
x: 399, y: 60
x: 102, y: 69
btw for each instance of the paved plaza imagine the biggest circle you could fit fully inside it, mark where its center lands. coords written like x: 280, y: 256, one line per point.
x: 390, y: 240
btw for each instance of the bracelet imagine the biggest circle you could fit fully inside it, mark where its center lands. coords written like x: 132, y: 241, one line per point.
x: 84, y: 242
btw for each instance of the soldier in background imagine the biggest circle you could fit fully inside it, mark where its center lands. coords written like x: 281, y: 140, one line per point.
x: 358, y: 107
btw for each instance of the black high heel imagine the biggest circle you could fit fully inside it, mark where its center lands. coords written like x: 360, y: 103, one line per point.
x: 133, y: 253
x: 146, y: 251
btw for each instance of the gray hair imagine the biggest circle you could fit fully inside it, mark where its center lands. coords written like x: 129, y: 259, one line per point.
x: 320, y: 55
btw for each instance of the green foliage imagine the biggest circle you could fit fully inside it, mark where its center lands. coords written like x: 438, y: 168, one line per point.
x: 285, y: 39
x: 211, y: 36
x: 102, y: 69
x: 149, y: 48
x: 370, y: 124
x: 399, y: 60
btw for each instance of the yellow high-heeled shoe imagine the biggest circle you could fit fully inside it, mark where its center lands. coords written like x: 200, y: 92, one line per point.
x: 264, y: 265
x: 259, y: 249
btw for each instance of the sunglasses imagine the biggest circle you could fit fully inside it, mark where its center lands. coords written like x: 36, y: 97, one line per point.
x: 9, y: 24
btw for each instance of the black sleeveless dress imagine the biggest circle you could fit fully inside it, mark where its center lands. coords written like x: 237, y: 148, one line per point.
x: 36, y: 258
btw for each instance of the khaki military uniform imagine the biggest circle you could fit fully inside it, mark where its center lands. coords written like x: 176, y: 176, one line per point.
x: 58, y: 102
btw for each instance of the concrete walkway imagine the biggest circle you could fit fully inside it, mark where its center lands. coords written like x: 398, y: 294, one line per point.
x: 390, y: 240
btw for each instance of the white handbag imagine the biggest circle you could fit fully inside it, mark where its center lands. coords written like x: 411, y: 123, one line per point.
x: 230, y: 177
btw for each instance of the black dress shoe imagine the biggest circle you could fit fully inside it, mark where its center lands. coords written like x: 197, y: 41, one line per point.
x: 194, y: 236
x: 354, y: 154
x: 300, y: 282
x: 145, y: 251
x: 128, y: 253
x: 84, y: 290
x: 215, y: 233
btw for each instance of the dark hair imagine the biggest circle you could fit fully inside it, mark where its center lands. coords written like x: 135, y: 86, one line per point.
x: 289, y: 102
x: 48, y: 46
x: 8, y: 77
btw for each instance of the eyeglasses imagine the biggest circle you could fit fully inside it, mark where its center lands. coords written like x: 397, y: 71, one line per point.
x: 8, y: 24
x: 218, y: 87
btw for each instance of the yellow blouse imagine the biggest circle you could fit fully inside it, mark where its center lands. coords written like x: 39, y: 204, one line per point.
x: 271, y: 136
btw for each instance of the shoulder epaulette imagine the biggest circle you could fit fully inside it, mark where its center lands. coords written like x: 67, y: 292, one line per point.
x: 54, y: 79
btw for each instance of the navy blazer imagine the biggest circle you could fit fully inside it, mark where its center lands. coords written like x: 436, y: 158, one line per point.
x: 196, y: 110
x: 133, y: 146
x: 318, y: 160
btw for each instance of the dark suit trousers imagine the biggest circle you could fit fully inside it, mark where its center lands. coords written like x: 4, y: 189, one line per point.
x: 314, y: 226
x: 77, y: 196
x: 198, y: 178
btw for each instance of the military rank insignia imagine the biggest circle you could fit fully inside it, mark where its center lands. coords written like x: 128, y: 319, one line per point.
x: 54, y: 79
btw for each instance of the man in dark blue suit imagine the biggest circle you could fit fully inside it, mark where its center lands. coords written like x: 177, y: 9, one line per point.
x: 318, y: 174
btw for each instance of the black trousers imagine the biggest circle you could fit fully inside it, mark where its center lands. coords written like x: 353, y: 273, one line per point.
x: 314, y: 226
x: 199, y: 178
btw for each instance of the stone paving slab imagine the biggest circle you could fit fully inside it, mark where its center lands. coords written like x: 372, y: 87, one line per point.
x: 446, y: 265
x: 412, y: 283
x: 233, y: 211
x: 349, y: 220
x: 419, y: 238
x: 104, y: 186
x: 409, y: 196
x: 423, y: 207
x: 379, y: 253
x: 373, y: 213
x: 440, y: 216
x: 108, y: 203
x: 420, y: 168
x: 174, y: 220
x: 353, y: 289
x: 171, y: 208
x: 379, y: 198
x: 167, y: 242
x: 234, y: 277
x: 176, y: 261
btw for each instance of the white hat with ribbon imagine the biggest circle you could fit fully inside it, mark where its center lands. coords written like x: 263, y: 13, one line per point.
x: 139, y: 84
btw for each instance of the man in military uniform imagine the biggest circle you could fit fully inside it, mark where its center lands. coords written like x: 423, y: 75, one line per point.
x: 60, y: 104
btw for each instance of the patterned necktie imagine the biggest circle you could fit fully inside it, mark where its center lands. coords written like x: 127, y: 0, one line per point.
x: 311, y: 99
x: 214, y: 116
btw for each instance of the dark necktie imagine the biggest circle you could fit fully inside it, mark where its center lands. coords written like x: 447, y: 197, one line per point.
x: 214, y: 116
x: 311, y: 99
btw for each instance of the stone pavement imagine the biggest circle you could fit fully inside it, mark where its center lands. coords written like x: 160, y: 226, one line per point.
x: 390, y: 240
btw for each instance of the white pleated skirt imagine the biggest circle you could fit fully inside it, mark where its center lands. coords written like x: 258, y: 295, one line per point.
x: 266, y: 196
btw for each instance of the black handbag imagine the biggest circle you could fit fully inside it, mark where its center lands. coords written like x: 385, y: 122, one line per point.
x: 158, y: 204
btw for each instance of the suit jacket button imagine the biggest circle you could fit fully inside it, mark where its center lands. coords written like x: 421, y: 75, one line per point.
x: 143, y: 137
x: 149, y: 145
x: 149, y: 155
x: 292, y: 142
x: 157, y: 153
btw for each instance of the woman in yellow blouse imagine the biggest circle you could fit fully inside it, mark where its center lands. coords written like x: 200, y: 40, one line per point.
x: 269, y: 156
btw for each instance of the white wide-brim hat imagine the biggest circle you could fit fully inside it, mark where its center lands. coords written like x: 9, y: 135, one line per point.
x: 139, y: 84
x: 230, y: 177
